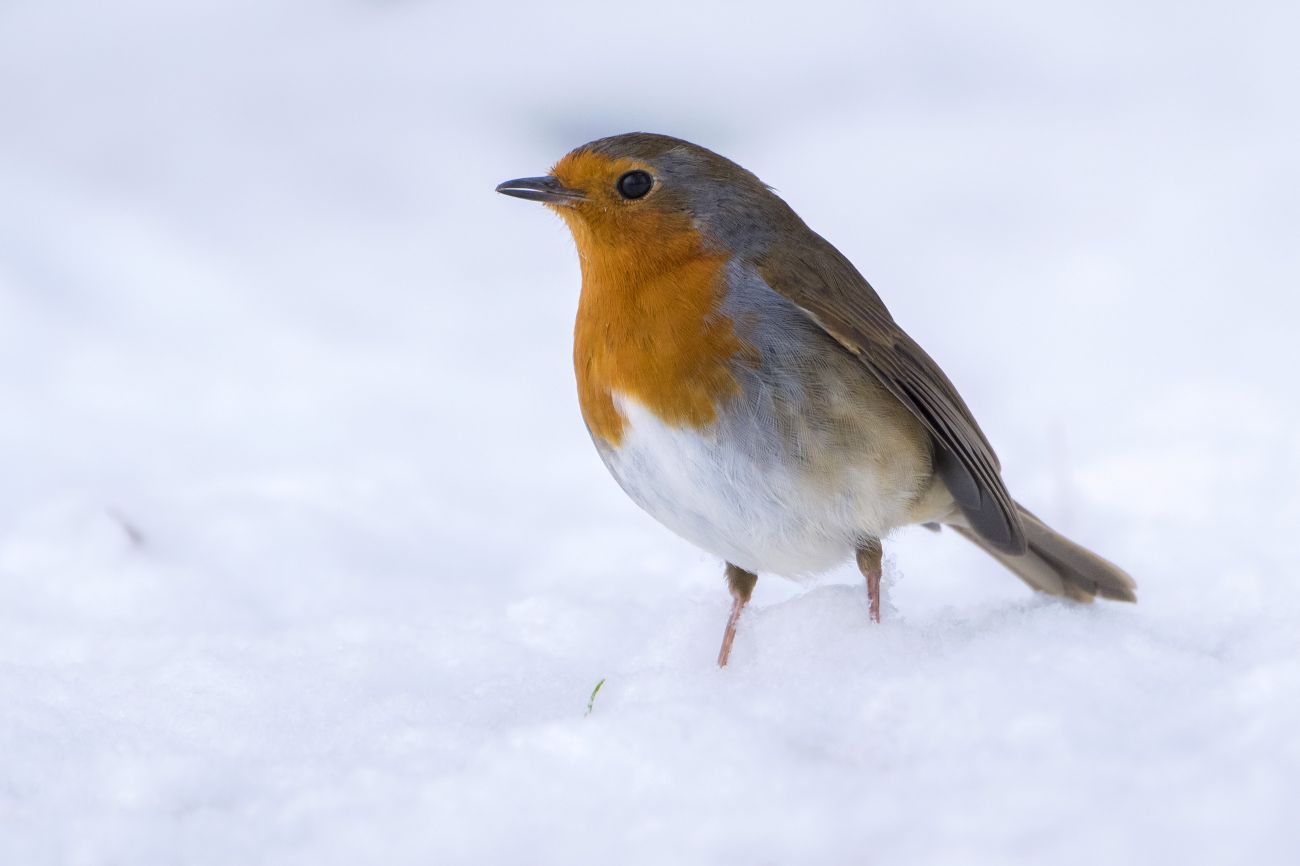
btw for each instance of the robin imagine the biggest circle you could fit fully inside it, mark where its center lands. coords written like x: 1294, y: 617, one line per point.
x: 747, y: 387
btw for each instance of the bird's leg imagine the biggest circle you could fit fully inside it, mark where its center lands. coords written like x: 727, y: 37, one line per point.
x: 741, y: 583
x: 869, y: 563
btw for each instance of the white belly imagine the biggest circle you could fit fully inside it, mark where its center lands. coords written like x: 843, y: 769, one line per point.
x: 736, y: 491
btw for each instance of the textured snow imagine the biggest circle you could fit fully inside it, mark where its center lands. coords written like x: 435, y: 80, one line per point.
x: 305, y: 556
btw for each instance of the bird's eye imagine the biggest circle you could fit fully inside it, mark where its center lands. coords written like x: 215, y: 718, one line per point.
x: 635, y: 184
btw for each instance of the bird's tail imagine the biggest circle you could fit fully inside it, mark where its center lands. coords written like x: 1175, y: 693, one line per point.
x: 1056, y: 565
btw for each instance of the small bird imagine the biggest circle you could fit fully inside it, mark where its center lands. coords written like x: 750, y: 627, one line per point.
x: 747, y: 387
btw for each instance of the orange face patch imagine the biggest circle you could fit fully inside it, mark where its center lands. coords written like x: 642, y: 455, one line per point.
x: 649, y: 324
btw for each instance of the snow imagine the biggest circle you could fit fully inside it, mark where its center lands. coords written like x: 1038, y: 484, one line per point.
x: 305, y: 556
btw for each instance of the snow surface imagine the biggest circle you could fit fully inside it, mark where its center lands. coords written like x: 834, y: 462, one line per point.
x: 305, y: 556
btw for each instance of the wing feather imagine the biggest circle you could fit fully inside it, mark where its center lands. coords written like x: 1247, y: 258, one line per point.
x: 825, y: 285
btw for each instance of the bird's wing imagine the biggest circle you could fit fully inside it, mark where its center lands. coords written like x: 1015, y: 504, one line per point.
x: 825, y: 285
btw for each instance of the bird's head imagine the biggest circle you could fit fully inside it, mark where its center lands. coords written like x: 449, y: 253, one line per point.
x: 654, y: 196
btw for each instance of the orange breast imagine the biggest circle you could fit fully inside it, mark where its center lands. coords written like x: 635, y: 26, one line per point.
x: 650, y: 327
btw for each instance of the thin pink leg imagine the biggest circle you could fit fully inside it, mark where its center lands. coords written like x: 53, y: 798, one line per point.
x: 730, y: 634
x: 869, y: 563
x: 741, y: 583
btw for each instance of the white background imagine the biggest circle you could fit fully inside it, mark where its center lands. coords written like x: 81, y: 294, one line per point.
x: 260, y: 309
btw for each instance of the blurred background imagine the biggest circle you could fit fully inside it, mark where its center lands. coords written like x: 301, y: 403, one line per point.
x: 305, y: 553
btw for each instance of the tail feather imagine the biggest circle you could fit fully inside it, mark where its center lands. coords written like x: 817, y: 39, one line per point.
x: 1056, y: 565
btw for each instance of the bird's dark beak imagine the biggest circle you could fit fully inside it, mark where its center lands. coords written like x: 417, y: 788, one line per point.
x: 547, y: 189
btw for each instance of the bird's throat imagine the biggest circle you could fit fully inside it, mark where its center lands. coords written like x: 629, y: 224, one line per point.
x: 650, y: 328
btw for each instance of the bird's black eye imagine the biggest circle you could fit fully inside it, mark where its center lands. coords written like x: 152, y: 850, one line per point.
x: 635, y: 184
